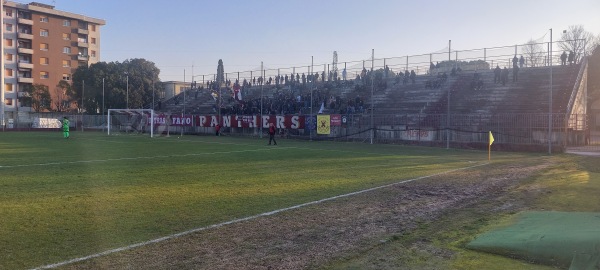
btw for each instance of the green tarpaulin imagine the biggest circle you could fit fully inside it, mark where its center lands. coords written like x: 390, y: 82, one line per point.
x: 567, y: 239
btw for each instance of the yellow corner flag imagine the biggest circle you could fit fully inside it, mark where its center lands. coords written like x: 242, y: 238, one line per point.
x: 490, y: 146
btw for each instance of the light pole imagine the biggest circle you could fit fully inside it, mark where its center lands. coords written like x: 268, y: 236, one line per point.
x: 372, y: 90
x: 311, y: 95
x: 153, y: 94
x: 550, y: 101
x: 82, y: 106
x: 448, y: 105
x: 261, y: 104
x: 2, y: 67
x: 127, y: 91
x: 102, y: 96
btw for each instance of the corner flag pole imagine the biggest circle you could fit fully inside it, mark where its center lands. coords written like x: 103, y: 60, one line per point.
x: 491, y: 140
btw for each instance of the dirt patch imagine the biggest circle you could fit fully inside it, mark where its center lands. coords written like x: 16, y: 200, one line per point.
x: 314, y: 236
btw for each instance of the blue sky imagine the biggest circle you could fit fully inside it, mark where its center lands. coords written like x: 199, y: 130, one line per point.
x: 179, y: 34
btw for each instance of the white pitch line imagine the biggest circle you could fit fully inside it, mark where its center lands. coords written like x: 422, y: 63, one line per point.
x: 135, y: 158
x: 172, y: 236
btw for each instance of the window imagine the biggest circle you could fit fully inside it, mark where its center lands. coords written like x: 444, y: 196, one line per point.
x: 66, y: 77
x: 44, y: 32
x: 9, y: 27
x: 94, y: 27
x: 66, y: 63
x: 8, y: 12
x: 24, y: 59
x: 66, y: 23
x: 67, y: 50
x: 44, y: 75
x: 44, y: 60
x: 8, y: 57
x: 8, y: 101
x: 93, y: 54
x: 43, y: 19
x: 66, y: 36
x: 8, y: 42
x: 8, y: 72
x: 8, y: 87
x: 43, y: 46
x: 93, y: 40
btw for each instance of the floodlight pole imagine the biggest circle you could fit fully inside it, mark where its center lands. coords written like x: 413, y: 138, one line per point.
x: 448, y: 105
x: 183, y: 112
x: 2, y: 68
x: 311, y: 95
x: 152, y: 92
x: 82, y: 106
x: 372, y: 90
x: 127, y: 91
x: 102, y: 96
x: 260, y: 130
x: 550, y: 101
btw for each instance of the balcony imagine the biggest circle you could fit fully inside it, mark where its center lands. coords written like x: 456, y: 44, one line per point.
x: 24, y: 35
x: 82, y: 44
x: 25, y: 80
x: 25, y: 21
x: 83, y: 31
x: 25, y: 65
x: 25, y: 51
x: 82, y: 57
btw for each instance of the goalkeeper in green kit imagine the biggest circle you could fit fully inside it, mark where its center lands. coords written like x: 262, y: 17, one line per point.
x: 65, y: 127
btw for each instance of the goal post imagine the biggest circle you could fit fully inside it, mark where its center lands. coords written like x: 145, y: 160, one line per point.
x: 130, y: 121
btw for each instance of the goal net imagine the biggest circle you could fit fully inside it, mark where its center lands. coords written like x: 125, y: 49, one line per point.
x: 130, y: 121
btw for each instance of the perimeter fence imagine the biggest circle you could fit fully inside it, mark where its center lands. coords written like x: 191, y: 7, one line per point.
x: 527, y: 132
x: 535, y: 54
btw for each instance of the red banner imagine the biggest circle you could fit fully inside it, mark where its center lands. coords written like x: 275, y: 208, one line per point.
x: 181, y: 120
x: 234, y: 121
x: 251, y: 121
x: 336, y: 120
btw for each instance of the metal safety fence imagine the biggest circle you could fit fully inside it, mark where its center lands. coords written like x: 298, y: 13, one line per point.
x: 510, y: 131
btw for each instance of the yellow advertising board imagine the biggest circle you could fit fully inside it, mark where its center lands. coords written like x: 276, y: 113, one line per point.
x: 323, y: 124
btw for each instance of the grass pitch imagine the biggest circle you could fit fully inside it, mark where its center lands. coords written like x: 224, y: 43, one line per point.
x: 63, y: 199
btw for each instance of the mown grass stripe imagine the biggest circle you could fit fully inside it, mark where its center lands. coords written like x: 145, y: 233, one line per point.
x: 172, y: 236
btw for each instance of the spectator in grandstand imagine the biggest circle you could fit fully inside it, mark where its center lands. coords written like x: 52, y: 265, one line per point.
x: 521, y: 61
x: 431, y: 68
x: 515, y: 61
x: 563, y: 58
x: 504, y: 76
x: 272, y: 134
x: 571, y: 57
x: 217, y: 130
x: 497, y: 74
x: 406, y: 77
x: 65, y: 127
x: 515, y: 73
x: 413, y: 76
x: 344, y: 74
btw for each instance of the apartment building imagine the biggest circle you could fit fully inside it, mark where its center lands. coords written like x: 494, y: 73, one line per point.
x: 43, y: 45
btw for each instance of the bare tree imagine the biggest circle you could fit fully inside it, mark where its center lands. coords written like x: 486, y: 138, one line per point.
x: 534, y: 53
x: 596, y: 43
x: 577, y: 40
x: 62, y: 91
